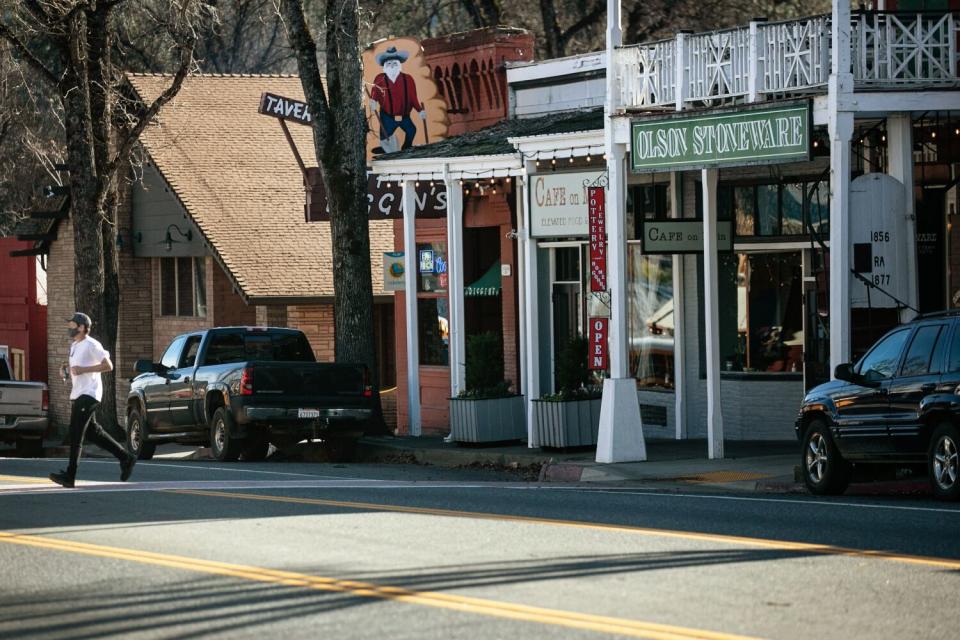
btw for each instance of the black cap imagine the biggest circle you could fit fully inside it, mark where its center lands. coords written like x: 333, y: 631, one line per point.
x: 81, y: 318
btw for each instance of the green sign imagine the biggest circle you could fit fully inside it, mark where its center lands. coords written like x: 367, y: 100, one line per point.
x: 743, y: 137
x: 682, y: 236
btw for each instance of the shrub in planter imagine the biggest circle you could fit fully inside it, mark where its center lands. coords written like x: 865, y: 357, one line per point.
x: 487, y: 410
x: 570, y: 417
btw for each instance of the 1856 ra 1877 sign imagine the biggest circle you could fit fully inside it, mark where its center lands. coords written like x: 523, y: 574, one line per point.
x: 743, y: 137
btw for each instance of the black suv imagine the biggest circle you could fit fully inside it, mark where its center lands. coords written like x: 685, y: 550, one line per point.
x: 898, y: 405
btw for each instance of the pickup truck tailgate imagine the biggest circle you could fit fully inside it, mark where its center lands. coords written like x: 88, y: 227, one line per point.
x: 309, y: 380
x: 24, y: 399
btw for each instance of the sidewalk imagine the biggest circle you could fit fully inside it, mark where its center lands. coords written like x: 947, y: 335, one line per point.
x: 748, y: 466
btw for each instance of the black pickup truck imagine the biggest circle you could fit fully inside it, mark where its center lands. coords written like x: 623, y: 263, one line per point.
x: 240, y: 388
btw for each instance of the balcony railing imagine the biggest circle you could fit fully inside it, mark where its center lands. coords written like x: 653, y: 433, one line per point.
x: 790, y: 58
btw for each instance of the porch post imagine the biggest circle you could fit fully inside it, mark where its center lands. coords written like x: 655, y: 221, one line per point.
x: 840, y: 125
x: 520, y: 276
x: 410, y: 298
x: 679, y: 312
x: 900, y: 155
x: 531, y: 312
x: 621, y: 429
x: 711, y: 307
x: 456, y: 324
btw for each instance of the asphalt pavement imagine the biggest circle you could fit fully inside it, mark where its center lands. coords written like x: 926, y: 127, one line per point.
x: 201, y: 549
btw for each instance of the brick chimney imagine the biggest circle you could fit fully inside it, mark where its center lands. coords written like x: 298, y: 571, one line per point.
x: 469, y: 70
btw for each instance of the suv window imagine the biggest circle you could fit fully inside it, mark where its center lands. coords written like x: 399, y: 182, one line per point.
x: 953, y: 363
x: 921, y: 352
x: 881, y: 363
x: 172, y: 355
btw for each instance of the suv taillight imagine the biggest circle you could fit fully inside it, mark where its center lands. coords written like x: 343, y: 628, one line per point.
x: 246, y: 382
x: 46, y: 399
x: 367, y: 387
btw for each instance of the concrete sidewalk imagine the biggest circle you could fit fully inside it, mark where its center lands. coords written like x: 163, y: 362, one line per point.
x: 749, y: 466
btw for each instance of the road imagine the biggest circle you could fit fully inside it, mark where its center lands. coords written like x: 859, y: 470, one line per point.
x: 292, y: 550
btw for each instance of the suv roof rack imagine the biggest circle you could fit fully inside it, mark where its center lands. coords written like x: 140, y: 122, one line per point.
x: 938, y: 314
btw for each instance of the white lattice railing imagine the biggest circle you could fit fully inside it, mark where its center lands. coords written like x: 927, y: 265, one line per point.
x: 891, y: 50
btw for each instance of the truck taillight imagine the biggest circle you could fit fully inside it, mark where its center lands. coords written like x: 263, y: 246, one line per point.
x: 246, y: 382
x: 367, y: 387
x: 46, y: 399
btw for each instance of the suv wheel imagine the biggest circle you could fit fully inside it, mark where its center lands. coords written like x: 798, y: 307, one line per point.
x: 825, y: 472
x: 223, y: 445
x: 137, y: 442
x: 944, y: 463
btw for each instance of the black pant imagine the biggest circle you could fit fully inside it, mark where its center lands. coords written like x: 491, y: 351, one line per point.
x: 389, y: 124
x: 83, y: 422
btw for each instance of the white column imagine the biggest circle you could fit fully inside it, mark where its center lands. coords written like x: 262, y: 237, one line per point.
x: 679, y: 331
x: 531, y: 316
x: 840, y: 125
x: 621, y: 430
x: 410, y: 298
x: 520, y: 278
x: 900, y: 157
x: 711, y: 306
x: 458, y: 356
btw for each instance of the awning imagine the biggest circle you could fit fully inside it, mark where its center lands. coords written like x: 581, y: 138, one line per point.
x: 486, y: 285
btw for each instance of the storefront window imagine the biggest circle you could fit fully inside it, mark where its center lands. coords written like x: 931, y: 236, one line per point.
x: 650, y: 318
x: 432, y: 267
x: 434, y: 331
x: 774, y: 210
x: 761, y: 312
x: 647, y: 202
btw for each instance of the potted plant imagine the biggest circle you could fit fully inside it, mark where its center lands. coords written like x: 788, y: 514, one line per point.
x: 487, y: 410
x: 570, y: 417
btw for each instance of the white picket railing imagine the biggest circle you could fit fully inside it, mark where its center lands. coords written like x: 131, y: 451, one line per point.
x: 790, y: 58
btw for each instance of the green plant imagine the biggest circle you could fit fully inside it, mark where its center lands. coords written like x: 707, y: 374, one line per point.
x: 485, y: 368
x: 574, y: 379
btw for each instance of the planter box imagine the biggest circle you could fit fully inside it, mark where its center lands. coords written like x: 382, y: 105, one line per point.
x: 492, y: 420
x: 569, y: 423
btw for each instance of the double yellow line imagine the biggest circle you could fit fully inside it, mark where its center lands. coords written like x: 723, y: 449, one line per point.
x: 780, y: 545
x: 464, y: 604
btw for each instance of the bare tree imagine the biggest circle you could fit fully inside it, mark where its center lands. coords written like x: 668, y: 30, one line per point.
x: 339, y: 137
x: 71, y: 46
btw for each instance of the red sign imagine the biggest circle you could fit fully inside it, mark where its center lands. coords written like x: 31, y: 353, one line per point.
x: 596, y: 213
x: 597, y: 360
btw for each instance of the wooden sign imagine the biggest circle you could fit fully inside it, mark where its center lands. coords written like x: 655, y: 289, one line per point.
x: 384, y: 199
x: 597, y: 227
x: 285, y: 108
x: 597, y: 360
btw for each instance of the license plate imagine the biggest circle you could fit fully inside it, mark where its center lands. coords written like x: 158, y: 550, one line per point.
x: 308, y: 413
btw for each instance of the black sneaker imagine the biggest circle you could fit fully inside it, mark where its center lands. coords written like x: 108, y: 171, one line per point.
x: 62, y: 479
x: 126, y: 468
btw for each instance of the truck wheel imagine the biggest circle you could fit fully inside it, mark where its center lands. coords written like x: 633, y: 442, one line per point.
x: 825, y: 472
x: 340, y: 449
x: 223, y: 445
x: 257, y: 450
x: 30, y: 447
x: 944, y: 462
x: 137, y: 442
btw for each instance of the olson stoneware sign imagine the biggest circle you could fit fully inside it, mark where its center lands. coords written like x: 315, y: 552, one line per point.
x: 735, y: 138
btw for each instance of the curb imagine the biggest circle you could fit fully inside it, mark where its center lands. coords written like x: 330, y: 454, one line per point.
x: 368, y: 451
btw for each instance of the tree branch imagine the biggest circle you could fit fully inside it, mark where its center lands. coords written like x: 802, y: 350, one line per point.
x: 588, y: 20
x: 27, y: 55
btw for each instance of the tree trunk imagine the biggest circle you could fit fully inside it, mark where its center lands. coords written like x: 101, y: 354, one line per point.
x: 551, y: 29
x: 339, y: 132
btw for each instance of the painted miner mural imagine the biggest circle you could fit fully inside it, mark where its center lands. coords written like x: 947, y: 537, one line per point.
x: 404, y: 107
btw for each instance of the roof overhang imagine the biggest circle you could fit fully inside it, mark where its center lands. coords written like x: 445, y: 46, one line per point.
x: 561, y: 145
x: 449, y: 168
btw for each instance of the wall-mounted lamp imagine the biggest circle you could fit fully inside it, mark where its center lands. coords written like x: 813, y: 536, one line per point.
x: 168, y: 239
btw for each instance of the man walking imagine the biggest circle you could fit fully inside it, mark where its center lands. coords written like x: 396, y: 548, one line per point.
x: 88, y: 359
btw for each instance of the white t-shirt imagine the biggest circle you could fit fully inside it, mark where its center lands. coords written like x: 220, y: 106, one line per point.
x: 87, y: 353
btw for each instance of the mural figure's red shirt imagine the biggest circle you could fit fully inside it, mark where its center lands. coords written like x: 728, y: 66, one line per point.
x: 396, y: 98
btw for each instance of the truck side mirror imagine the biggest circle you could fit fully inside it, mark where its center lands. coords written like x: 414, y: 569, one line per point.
x: 146, y: 366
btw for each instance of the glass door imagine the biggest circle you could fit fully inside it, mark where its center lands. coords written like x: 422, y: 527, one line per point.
x: 567, y: 301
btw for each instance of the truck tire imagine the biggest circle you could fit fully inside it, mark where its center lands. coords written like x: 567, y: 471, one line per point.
x: 256, y: 450
x: 29, y: 447
x: 224, y: 446
x: 340, y: 449
x: 137, y: 431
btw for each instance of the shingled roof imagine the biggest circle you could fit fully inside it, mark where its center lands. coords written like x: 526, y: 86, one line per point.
x: 235, y: 174
x: 494, y: 140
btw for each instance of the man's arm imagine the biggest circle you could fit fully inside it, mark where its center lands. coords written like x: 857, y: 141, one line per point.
x: 105, y: 366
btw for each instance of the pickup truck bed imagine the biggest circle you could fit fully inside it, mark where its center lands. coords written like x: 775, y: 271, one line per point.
x: 23, y: 414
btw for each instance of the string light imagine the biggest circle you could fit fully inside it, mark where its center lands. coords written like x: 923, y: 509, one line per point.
x: 492, y: 181
x: 934, y: 135
x: 553, y: 161
x: 588, y: 158
x: 571, y: 159
x: 815, y: 144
